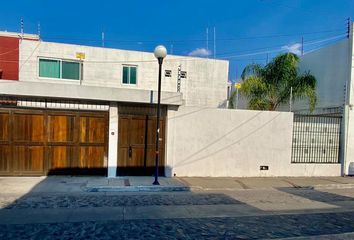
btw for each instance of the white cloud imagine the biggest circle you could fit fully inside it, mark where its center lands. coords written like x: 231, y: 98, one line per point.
x: 293, y: 48
x: 200, y: 52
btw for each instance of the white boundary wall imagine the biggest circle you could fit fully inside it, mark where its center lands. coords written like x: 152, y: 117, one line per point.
x: 234, y: 143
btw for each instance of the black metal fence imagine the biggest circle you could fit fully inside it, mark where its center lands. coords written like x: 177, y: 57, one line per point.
x: 316, y: 139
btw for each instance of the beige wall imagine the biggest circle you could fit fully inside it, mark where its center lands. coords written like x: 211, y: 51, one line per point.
x: 223, y: 142
x: 206, y: 83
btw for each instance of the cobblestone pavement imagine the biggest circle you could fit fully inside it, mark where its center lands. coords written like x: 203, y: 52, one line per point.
x: 82, y: 201
x: 261, y: 227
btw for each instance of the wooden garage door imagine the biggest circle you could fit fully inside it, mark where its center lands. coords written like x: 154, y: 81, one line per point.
x: 34, y: 142
x: 22, y: 144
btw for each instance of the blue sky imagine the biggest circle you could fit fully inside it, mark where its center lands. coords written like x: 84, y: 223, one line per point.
x: 246, y: 31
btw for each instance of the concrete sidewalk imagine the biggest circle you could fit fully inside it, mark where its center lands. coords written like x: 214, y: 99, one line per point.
x: 66, y: 184
x: 224, y: 184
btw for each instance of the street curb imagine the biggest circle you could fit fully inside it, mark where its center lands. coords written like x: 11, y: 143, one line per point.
x: 347, y: 235
x: 333, y: 186
x: 137, y: 189
x: 310, y: 187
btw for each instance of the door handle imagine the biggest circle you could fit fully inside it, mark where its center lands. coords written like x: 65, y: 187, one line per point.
x: 130, y: 151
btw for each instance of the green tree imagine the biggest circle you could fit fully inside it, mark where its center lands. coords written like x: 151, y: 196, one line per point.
x: 266, y: 87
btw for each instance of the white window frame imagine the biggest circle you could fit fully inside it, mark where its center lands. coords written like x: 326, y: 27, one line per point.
x: 136, y: 80
x: 61, y: 68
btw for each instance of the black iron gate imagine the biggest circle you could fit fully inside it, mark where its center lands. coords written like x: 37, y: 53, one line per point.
x: 316, y: 139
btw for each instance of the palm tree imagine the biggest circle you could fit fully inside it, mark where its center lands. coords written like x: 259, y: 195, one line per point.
x: 266, y: 87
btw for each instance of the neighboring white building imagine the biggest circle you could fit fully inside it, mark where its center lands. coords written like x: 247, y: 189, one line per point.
x: 333, y: 67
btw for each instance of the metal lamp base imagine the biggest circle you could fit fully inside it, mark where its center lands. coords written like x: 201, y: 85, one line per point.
x: 155, y: 183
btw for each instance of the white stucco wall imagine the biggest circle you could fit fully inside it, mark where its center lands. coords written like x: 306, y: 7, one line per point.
x: 205, y: 85
x: 234, y: 143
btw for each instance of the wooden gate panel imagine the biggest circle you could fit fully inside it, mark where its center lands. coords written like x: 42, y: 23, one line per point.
x: 61, y: 141
x: 61, y: 128
x: 137, y: 131
x: 150, y: 158
x: 123, y: 157
x: 35, y: 158
x: 123, y: 136
x: 28, y: 159
x: 28, y: 143
x: 5, y: 159
x: 4, y: 126
x: 96, y: 130
x: 92, y: 150
x: 91, y: 157
x: 28, y: 128
x: 123, y: 141
x: 60, y: 157
x: 136, y: 139
x: 137, y: 157
x: 151, y: 142
x: 137, y: 142
x: 92, y: 129
x: 5, y: 147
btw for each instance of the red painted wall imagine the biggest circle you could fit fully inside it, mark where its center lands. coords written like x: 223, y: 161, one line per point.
x: 9, y: 58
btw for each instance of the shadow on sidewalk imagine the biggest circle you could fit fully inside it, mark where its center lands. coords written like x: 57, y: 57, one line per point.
x: 315, y: 195
x: 70, y: 193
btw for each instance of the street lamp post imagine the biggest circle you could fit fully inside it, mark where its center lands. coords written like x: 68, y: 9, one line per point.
x: 160, y: 53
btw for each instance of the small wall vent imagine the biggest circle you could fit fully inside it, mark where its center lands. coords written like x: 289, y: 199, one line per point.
x: 264, y: 168
x: 168, y: 73
x: 183, y: 74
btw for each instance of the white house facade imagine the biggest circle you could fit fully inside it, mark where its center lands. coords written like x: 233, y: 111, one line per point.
x: 203, y: 82
x: 72, y: 109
